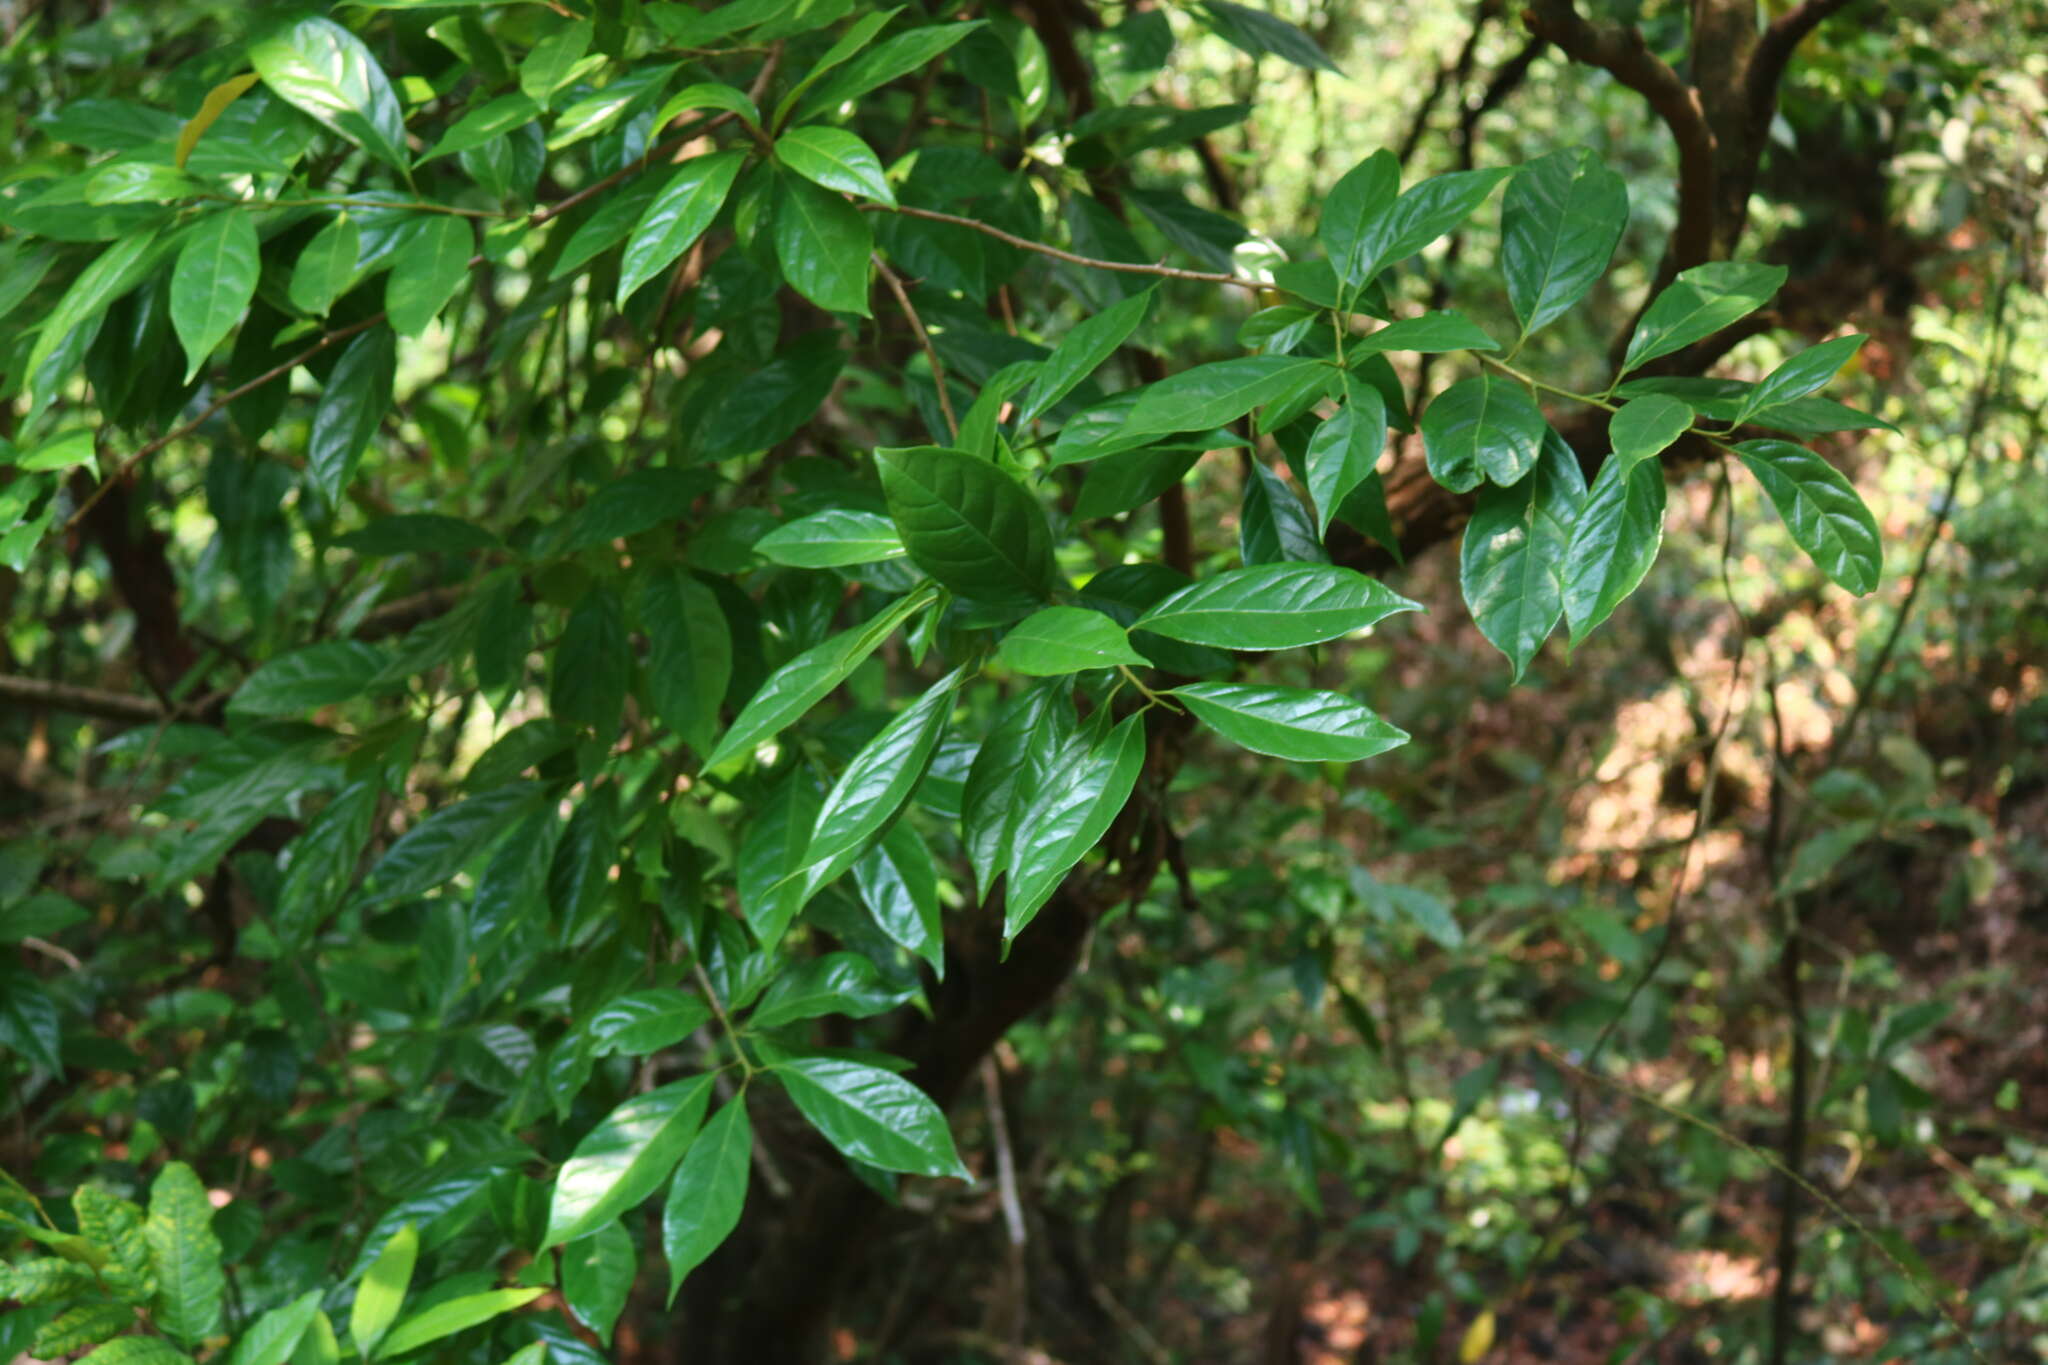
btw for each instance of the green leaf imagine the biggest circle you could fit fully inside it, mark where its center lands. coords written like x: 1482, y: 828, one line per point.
x: 1258, y: 33
x: 1435, y: 333
x: 833, y: 538
x: 1559, y: 223
x: 1802, y: 374
x: 879, y: 780
x: 802, y: 682
x: 676, y: 217
x: 591, y: 666
x: 1000, y: 781
x: 433, y: 851
x: 488, y: 120
x: 1513, y: 560
x: 1643, y: 428
x: 1371, y: 229
x: 214, y: 280
x: 318, y: 675
x: 447, y: 1318
x: 325, y: 266
x: 823, y: 244
x: 642, y: 1022
x: 771, y: 860
x: 708, y: 1193
x: 708, y: 95
x: 836, y: 983
x: 382, y: 1292
x: 1619, y: 531
x: 1362, y: 198
x: 871, y: 1115
x: 351, y: 408
x: 1272, y: 526
x: 1821, y: 510
x: 1082, y: 351
x: 185, y: 1255
x: 321, y: 68
x: 1274, y: 606
x: 29, y: 1022
x: 835, y: 159
x: 271, y: 1338
x: 857, y: 36
x: 1060, y: 640
x: 114, y: 1223
x: 968, y: 524
x: 427, y: 271
x: 81, y: 1325
x: 1699, y: 303
x: 1345, y: 449
x: 912, y: 50
x: 1084, y: 788
x: 1485, y: 427
x: 1210, y: 395
x: 899, y: 884
x: 136, y: 1350
x: 554, y: 60
x: 624, y: 1158
x: 689, y: 653
x: 597, y: 1276
x: 112, y: 273
x: 1291, y: 722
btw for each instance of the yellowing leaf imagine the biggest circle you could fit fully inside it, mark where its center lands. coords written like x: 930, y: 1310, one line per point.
x: 1478, y: 1340
x: 211, y: 108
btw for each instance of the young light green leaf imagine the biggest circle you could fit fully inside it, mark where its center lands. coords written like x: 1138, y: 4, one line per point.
x: 597, y: 1275
x: 1559, y: 223
x: 835, y: 159
x: 447, y: 1318
x: 382, y: 1291
x: 1619, y: 531
x: 1643, y: 428
x: 427, y: 271
x: 823, y: 244
x: 185, y: 1256
x: 1512, y: 563
x: 321, y: 68
x: 872, y: 1115
x: 879, y: 780
x: 1290, y: 722
x: 708, y: 1193
x: 1082, y: 791
x: 689, y: 652
x: 1081, y: 352
x: 271, y: 1338
x: 676, y: 217
x: 1000, y: 783
x: 624, y: 1158
x: 213, y: 282
x: 325, y: 266
x: 1800, y: 375
x: 1345, y: 449
x: 351, y: 407
x: 1434, y: 333
x: 1485, y: 427
x: 836, y: 983
x: 969, y: 524
x: 833, y: 538
x: 1699, y: 303
x: 552, y: 63
x: 1274, y: 606
x: 1821, y: 510
x: 1060, y: 640
x: 1223, y: 391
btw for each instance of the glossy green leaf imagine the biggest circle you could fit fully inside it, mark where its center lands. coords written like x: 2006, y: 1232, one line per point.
x: 1291, y: 722
x: 111, y: 274
x: 708, y: 1193
x: 871, y: 1115
x: 689, y: 653
x: 836, y: 160
x: 1210, y: 395
x: 321, y: 68
x: 1274, y: 606
x: 771, y: 878
x: 1264, y: 34
x: 590, y: 668
x: 450, y: 1316
x: 434, y: 850
x: 136, y: 1350
x: 833, y: 538
x: 1363, y: 197
x: 1272, y: 525
x: 1127, y: 481
x: 625, y: 1158
x: 597, y: 1277
x: 1423, y: 213
x: 270, y: 1339
x: 893, y: 57
x: 185, y: 1255
x: 382, y: 1291
x: 802, y: 682
x: 1060, y: 640
x: 553, y: 62
x: 351, y: 408
x: 318, y: 675
x: 1801, y: 374
x: 1512, y: 563
x: 1643, y: 428
x: 1559, y: 221
x: 641, y: 1022
x: 844, y: 48
x: 968, y: 524
x: 1619, y: 531
x: 1820, y: 508
x: 1345, y: 449
x: 899, y: 884
x: 598, y: 112
x: 1082, y: 351
x: 487, y: 121
x: 836, y: 983
x: 1699, y: 303
x: 880, y: 778
x: 676, y: 217
x: 1432, y: 333
x: 1084, y: 787
x: 1000, y: 781
x: 427, y: 271
x: 213, y: 281
x: 708, y: 95
x: 1481, y: 428
x: 823, y: 244
x: 325, y: 266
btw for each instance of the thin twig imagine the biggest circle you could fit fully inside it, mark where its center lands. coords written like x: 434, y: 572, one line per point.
x: 924, y: 339
x: 1168, y: 272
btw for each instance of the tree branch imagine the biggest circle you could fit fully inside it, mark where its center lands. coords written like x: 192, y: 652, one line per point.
x: 41, y: 695
x: 1774, y: 51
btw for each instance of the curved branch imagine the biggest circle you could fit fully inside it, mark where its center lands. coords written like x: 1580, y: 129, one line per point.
x: 1774, y: 50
